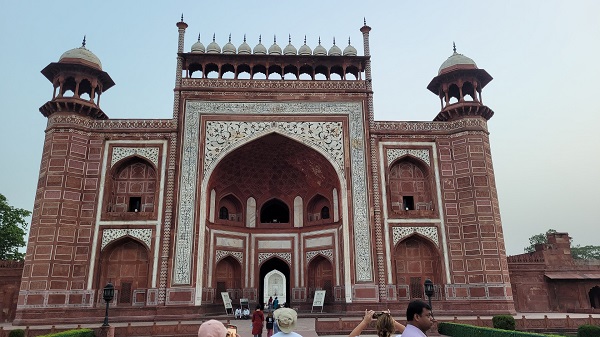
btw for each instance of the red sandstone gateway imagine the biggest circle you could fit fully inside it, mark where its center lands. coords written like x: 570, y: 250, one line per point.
x: 271, y: 179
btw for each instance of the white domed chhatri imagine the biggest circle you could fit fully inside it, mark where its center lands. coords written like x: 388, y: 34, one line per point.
x: 320, y: 50
x: 244, y: 48
x: 349, y: 50
x: 260, y: 49
x: 457, y: 59
x: 290, y: 49
x: 81, y: 54
x: 229, y: 48
x: 335, y: 50
x: 213, y: 47
x: 305, y: 50
x: 274, y: 49
x: 198, y: 47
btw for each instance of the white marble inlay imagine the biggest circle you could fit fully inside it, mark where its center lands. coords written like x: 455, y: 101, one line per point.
x: 430, y: 232
x: 150, y: 153
x: 110, y: 235
x: 393, y: 154
x: 318, y: 242
x: 275, y: 244
x: 230, y: 242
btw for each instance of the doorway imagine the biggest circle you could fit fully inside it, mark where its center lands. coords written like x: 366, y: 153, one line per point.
x: 275, y: 276
x: 595, y: 297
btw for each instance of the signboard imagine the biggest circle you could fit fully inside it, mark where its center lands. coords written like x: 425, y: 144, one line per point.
x: 227, y: 302
x: 318, y: 300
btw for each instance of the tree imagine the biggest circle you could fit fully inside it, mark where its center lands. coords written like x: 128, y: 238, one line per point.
x: 12, y: 230
x: 537, y: 239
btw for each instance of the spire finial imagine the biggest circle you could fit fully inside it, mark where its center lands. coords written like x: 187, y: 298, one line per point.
x: 244, y: 38
x: 334, y: 40
x: 290, y: 38
x: 319, y: 40
x: 83, y: 42
x: 304, y: 39
x: 365, y: 20
x: 454, y: 46
x: 274, y: 39
x: 229, y: 37
x: 213, y: 37
x: 260, y: 39
x: 198, y: 37
x: 181, y: 17
x: 348, y: 40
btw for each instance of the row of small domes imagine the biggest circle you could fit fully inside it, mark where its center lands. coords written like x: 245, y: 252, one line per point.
x: 260, y: 49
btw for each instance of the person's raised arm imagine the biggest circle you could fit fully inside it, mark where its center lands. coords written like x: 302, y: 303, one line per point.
x: 363, y: 324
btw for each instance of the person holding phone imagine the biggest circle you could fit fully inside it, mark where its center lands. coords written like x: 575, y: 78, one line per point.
x: 386, y: 325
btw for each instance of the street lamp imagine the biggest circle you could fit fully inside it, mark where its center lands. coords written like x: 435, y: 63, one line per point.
x: 108, y: 295
x: 429, y: 292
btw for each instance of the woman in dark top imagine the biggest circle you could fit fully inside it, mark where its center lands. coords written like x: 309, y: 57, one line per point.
x: 270, y: 320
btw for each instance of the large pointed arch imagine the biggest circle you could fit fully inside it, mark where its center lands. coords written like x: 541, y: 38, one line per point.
x: 415, y: 260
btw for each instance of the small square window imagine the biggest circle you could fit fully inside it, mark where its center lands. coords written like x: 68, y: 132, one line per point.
x: 135, y: 204
x: 408, y: 203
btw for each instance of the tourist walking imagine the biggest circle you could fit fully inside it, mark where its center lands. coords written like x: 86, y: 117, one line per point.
x: 257, y: 322
x: 269, y: 323
x: 275, y: 303
x: 419, y: 319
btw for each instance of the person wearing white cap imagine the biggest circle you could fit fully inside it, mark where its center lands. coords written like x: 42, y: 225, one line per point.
x: 286, y: 319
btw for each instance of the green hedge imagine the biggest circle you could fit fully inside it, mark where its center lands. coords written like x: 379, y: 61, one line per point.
x: 17, y: 333
x: 588, y: 331
x: 73, y: 333
x: 506, y: 322
x: 460, y: 330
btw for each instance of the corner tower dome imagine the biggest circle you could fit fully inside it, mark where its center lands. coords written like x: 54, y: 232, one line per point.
x: 456, y: 61
x: 81, y: 55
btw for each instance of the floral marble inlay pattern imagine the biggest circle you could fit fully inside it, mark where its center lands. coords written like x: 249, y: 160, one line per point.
x: 221, y: 254
x: 150, y: 153
x: 430, y: 232
x: 393, y: 154
x: 110, y: 235
x: 262, y: 257
x: 328, y: 253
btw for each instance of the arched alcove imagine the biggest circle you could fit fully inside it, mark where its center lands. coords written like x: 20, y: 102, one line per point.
x: 274, y: 269
x: 410, y: 185
x: 317, y: 207
x: 275, y: 211
x: 228, y: 278
x: 320, y: 277
x: 125, y: 263
x: 415, y: 260
x: 230, y: 210
x: 132, y: 186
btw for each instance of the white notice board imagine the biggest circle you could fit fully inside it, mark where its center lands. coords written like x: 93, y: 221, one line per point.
x: 319, y: 300
x: 227, y: 302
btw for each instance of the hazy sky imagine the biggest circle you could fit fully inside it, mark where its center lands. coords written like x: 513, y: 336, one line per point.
x: 544, y: 57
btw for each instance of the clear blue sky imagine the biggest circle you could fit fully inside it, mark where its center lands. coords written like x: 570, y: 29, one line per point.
x: 544, y: 57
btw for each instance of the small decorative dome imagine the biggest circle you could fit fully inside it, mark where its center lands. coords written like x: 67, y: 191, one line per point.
x: 304, y: 50
x: 213, y: 47
x: 229, y: 48
x: 274, y: 49
x: 244, y: 48
x: 335, y: 50
x: 198, y: 47
x: 260, y: 49
x: 349, y: 50
x: 290, y: 49
x: 320, y: 50
x: 457, y: 59
x: 81, y: 55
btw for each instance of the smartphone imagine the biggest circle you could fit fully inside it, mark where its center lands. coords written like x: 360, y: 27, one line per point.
x: 231, y: 330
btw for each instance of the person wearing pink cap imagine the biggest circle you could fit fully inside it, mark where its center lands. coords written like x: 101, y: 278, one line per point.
x: 214, y: 328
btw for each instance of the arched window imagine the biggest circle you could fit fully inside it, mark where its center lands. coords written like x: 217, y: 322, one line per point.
x: 325, y: 212
x: 223, y: 213
x: 274, y: 211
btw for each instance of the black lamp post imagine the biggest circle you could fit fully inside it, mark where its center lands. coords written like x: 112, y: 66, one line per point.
x: 108, y: 295
x: 429, y: 292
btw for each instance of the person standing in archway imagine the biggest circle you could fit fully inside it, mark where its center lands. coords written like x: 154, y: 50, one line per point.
x: 275, y: 303
x: 270, y: 307
x: 257, y: 322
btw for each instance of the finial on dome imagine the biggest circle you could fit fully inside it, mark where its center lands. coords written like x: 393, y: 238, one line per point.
x: 244, y: 37
x: 230, y: 37
x: 198, y: 37
x: 365, y: 20
x: 213, y: 37
x: 319, y: 40
x: 260, y: 38
x: 348, y: 40
x: 83, y: 43
x: 304, y: 39
x: 290, y: 38
x: 274, y: 38
x: 181, y: 17
x: 334, y: 40
x: 454, y: 46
